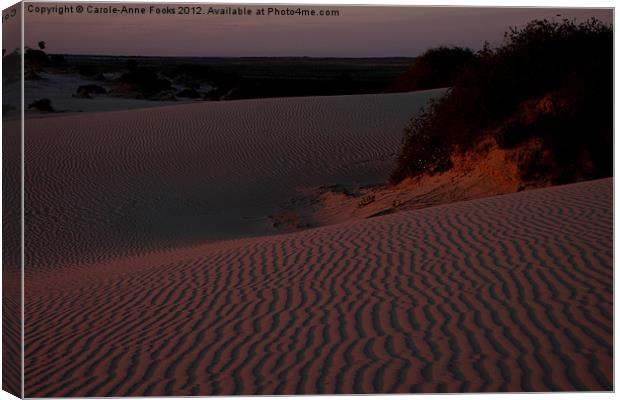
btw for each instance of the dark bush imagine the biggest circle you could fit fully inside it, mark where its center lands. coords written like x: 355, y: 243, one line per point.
x: 549, y: 80
x: 538, y: 165
x: 146, y: 81
x: 189, y: 93
x: 436, y: 68
x: 85, y: 91
x: 11, y: 67
x: 42, y: 105
x: 190, y: 75
x: 36, y: 58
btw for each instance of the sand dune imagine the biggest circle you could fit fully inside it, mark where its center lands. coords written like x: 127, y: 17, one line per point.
x: 509, y: 293
x: 101, y: 185
x: 11, y: 258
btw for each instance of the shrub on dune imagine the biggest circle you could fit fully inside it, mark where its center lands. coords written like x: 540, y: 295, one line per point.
x: 44, y: 105
x: 35, y: 60
x: 86, y: 91
x: 549, y: 80
x: 145, y: 81
x: 11, y: 66
x: 436, y: 68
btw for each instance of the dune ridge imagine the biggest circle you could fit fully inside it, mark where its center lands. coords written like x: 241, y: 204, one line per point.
x: 509, y: 293
x: 111, y: 184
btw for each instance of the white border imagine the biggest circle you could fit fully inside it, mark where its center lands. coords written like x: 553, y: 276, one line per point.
x: 480, y: 3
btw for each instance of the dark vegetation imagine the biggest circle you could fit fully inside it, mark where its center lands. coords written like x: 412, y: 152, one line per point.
x: 11, y: 66
x: 550, y: 81
x: 86, y: 91
x: 145, y: 81
x: 159, y: 78
x: 35, y: 60
x: 189, y: 93
x: 249, y: 78
x: 214, y: 79
x: 436, y: 68
x: 11, y: 74
x: 44, y: 105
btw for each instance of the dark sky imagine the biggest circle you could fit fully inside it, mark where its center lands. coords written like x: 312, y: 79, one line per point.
x: 373, y: 31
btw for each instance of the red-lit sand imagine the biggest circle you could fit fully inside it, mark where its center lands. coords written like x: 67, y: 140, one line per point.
x: 509, y: 293
x: 152, y: 266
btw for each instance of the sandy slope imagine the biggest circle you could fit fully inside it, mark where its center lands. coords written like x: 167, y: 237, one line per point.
x: 106, y: 184
x: 512, y: 292
x: 486, y: 170
x: 11, y: 260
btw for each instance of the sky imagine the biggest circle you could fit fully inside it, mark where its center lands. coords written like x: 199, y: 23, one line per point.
x: 371, y: 31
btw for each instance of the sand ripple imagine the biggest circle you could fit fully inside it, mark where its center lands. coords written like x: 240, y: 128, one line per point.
x: 109, y: 184
x: 511, y: 293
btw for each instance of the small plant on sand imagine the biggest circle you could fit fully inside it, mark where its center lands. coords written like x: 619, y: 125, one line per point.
x: 366, y: 200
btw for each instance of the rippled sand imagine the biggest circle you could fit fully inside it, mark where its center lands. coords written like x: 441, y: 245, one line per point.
x: 510, y: 293
x: 152, y: 268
